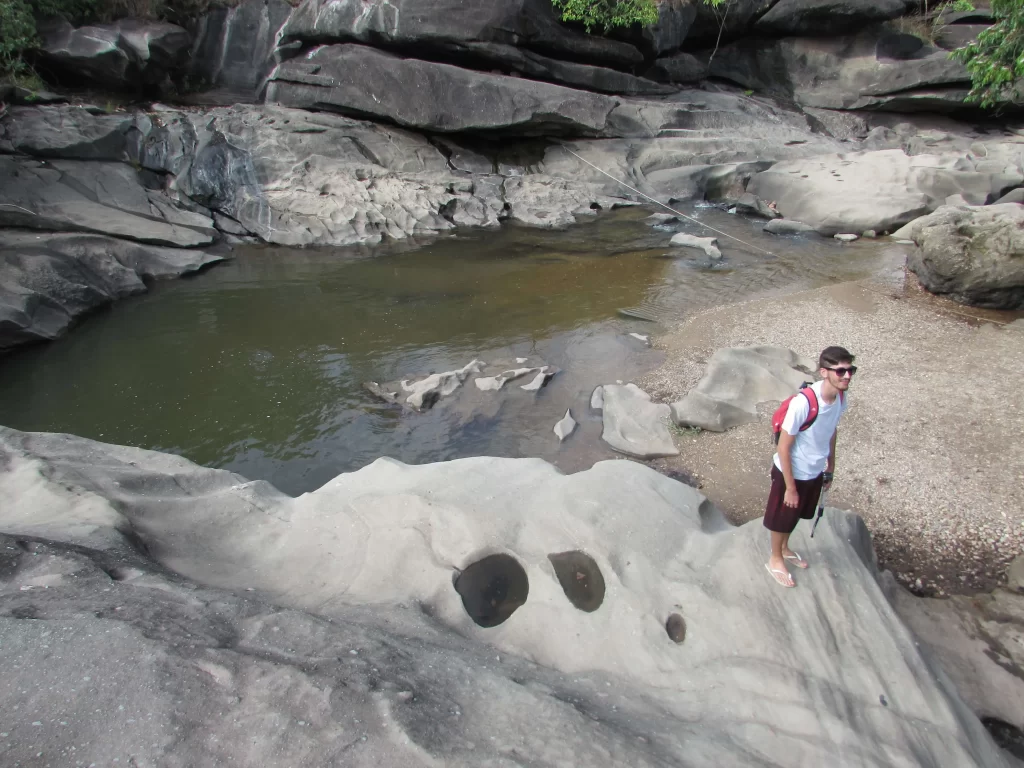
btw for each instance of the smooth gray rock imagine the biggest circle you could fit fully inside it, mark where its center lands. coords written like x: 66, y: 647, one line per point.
x: 81, y: 196
x: 234, y: 45
x: 1013, y: 196
x: 736, y: 381
x: 845, y: 237
x: 1015, y: 574
x: 881, y: 190
x: 678, y: 68
x: 339, y: 605
x: 425, y: 95
x: 844, y: 73
x: 565, y: 426
x: 973, y: 255
x: 827, y: 17
x: 128, y: 54
x: 787, y: 227
x: 709, y: 245
x: 73, y: 133
x: 751, y: 205
x: 48, y: 281
x: 633, y: 425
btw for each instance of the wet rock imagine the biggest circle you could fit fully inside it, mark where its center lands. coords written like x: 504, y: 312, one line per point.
x: 565, y: 426
x: 736, y: 381
x: 48, y: 281
x: 633, y: 425
x: 847, y: 237
x: 787, y: 227
x: 974, y: 255
x: 751, y: 205
x: 709, y: 245
x: 495, y: 383
x: 675, y: 626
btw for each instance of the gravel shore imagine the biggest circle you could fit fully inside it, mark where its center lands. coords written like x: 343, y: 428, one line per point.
x: 930, y: 454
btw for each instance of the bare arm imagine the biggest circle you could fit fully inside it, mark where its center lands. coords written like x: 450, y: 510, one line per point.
x: 786, y: 440
x: 830, y: 465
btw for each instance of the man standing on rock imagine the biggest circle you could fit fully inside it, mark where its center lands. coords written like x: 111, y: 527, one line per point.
x: 806, y: 457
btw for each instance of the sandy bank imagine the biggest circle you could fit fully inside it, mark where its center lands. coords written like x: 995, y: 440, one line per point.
x: 930, y: 453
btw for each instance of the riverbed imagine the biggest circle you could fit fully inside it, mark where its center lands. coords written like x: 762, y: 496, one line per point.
x: 257, y: 365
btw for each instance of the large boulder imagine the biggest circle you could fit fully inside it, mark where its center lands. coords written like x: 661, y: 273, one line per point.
x: 881, y: 190
x: 849, y: 72
x: 234, y: 45
x: 818, y: 18
x: 398, y: 613
x: 357, y: 80
x: 127, y: 55
x: 437, y: 25
x: 736, y: 381
x: 973, y: 255
x: 47, y: 281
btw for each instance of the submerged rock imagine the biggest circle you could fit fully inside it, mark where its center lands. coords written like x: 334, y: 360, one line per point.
x: 565, y: 426
x: 707, y: 244
x: 342, y: 606
x: 736, y: 381
x: 422, y: 394
x: 633, y: 425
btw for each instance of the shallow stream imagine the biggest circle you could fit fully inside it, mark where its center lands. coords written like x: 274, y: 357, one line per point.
x: 257, y: 364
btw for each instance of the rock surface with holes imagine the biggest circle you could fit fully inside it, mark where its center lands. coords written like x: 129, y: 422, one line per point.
x: 736, y: 381
x: 332, y: 620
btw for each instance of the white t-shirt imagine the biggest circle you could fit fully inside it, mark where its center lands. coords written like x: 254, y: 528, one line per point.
x: 811, y: 448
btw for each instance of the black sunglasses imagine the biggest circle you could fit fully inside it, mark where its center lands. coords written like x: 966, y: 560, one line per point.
x: 841, y: 372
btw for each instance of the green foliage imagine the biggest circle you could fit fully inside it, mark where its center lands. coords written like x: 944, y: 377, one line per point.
x: 17, y: 33
x: 607, y: 14
x: 995, y: 60
x: 72, y: 10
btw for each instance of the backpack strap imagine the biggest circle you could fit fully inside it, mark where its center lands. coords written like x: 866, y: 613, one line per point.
x: 812, y: 405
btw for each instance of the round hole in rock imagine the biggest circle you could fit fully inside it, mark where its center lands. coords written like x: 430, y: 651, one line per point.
x: 581, y: 579
x: 491, y: 589
x: 676, y: 628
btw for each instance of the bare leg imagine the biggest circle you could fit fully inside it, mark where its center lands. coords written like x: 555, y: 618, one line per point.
x: 787, y: 552
x: 779, y: 545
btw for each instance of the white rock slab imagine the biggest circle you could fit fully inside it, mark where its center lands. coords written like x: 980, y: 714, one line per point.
x: 635, y: 426
x: 707, y: 244
x: 565, y: 426
x: 438, y: 384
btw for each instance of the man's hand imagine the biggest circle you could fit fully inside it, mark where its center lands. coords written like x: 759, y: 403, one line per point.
x: 792, y: 498
x: 827, y: 480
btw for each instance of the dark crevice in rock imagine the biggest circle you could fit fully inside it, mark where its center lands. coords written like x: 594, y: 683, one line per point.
x: 581, y: 579
x: 492, y: 589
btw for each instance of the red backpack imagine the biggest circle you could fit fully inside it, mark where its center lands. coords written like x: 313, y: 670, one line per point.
x: 812, y: 401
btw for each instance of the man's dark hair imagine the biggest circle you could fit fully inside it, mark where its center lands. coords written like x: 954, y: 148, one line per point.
x: 832, y: 356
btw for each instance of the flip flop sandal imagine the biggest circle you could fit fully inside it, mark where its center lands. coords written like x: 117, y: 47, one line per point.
x: 784, y: 578
x: 795, y: 559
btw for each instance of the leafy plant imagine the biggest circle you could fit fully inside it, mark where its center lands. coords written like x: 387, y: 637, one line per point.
x: 995, y: 60
x: 17, y: 33
x: 607, y: 14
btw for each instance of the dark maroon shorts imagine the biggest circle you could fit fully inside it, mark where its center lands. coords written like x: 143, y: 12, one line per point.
x: 782, y: 519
